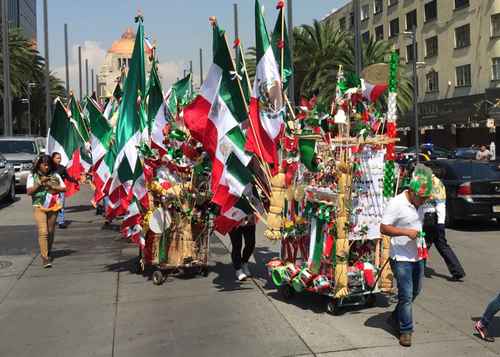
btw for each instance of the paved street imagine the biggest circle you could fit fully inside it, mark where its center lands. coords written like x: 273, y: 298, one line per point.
x: 90, y: 304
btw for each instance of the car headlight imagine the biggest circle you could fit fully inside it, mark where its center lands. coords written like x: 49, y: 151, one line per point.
x: 27, y: 166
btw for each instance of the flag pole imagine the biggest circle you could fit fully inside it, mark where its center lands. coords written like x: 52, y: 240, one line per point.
x: 247, y: 79
x: 282, y: 44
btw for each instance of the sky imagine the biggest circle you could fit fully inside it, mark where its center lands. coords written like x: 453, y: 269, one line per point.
x: 180, y: 28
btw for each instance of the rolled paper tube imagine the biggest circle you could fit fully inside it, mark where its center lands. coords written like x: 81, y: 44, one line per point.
x: 278, y: 276
x: 391, y: 129
x: 297, y: 285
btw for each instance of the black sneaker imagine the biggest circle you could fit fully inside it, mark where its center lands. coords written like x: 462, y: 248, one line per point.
x: 46, y: 263
x: 63, y: 225
x: 457, y: 278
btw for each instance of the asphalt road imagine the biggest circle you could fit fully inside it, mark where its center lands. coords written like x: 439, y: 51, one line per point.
x: 91, y: 304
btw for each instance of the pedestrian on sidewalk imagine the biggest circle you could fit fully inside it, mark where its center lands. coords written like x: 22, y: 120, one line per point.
x: 63, y: 173
x: 481, y: 326
x: 435, y: 229
x: 403, y: 221
x: 44, y: 186
x: 246, y: 231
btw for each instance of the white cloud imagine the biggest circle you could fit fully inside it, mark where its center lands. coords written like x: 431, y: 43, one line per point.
x: 94, y: 53
x: 169, y: 72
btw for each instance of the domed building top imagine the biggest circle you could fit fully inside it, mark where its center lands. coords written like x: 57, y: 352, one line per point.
x: 125, y: 45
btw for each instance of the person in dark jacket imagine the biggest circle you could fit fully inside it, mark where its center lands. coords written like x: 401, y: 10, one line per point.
x: 63, y: 173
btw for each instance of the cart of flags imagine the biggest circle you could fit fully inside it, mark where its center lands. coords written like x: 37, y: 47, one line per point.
x: 173, y: 167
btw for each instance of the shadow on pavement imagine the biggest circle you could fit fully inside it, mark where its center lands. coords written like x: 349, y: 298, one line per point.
x: 306, y: 301
x: 79, y: 208
x: 129, y: 265
x: 431, y: 273
x: 262, y: 256
x: 493, y: 328
x: 4, y: 204
x: 380, y: 321
x: 60, y: 253
x: 226, y: 280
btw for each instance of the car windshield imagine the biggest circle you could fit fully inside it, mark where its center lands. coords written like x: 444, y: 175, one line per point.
x: 17, y: 146
x: 474, y: 171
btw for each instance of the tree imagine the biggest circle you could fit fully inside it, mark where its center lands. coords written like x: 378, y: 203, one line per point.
x: 27, y: 66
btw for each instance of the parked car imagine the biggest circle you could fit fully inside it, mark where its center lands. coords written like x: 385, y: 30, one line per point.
x: 472, y: 189
x: 465, y: 153
x: 436, y: 153
x: 21, y: 152
x: 7, y: 180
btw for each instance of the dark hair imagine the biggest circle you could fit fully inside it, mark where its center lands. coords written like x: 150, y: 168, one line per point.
x: 54, y: 154
x: 43, y: 159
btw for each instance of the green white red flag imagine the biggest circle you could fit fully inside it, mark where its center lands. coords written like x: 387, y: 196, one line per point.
x: 214, y: 118
x: 128, y: 176
x: 64, y: 138
x: 266, y: 104
x: 101, y: 135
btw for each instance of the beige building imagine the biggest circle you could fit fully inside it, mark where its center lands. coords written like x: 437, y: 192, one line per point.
x: 118, y: 57
x: 459, y: 42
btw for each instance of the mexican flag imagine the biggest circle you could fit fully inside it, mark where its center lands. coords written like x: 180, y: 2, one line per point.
x: 128, y: 176
x: 266, y: 104
x: 180, y: 95
x: 76, y: 115
x: 281, y: 47
x: 64, y: 138
x: 214, y: 118
x: 157, y: 115
x: 372, y: 92
x: 131, y: 227
x: 100, y: 142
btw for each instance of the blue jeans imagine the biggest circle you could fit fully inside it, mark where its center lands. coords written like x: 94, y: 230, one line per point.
x: 408, y: 276
x: 60, y: 215
x: 491, y: 310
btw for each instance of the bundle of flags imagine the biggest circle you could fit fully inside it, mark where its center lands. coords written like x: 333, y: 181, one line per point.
x: 238, y: 126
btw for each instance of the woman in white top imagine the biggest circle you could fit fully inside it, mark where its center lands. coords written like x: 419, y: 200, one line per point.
x: 44, y: 186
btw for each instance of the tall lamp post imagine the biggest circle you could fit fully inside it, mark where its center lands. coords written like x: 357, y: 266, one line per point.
x: 28, y: 101
x: 413, y: 35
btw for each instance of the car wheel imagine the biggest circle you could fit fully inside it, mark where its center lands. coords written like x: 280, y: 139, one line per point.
x: 11, y: 195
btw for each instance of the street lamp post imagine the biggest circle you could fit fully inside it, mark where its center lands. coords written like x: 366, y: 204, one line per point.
x: 28, y: 101
x: 413, y: 35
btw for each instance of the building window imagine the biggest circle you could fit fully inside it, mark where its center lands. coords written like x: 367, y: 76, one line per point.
x: 119, y: 63
x: 411, y: 20
x: 431, y: 47
x: 432, y: 82
x: 459, y: 4
x: 495, y: 25
x: 365, y: 12
x: 495, y: 66
x: 379, y: 33
x: 431, y: 11
x: 392, y: 2
x: 462, y: 36
x: 463, y: 76
x: 351, y: 18
x: 378, y: 7
x: 365, y: 36
x: 409, y: 52
x: 342, y: 23
x: 394, y: 27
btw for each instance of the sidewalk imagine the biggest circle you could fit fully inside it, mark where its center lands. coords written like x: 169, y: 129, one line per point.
x: 90, y: 304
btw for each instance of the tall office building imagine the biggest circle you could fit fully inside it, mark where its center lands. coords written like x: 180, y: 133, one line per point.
x: 459, y: 43
x: 22, y: 13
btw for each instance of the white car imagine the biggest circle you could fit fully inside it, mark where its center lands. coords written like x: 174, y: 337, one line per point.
x: 21, y: 152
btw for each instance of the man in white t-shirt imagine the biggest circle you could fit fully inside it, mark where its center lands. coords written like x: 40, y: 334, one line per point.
x: 403, y: 220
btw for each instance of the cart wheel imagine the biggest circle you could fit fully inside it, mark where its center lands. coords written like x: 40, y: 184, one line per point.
x: 371, y: 300
x: 204, y: 271
x: 333, y: 307
x: 158, y: 277
x: 286, y: 291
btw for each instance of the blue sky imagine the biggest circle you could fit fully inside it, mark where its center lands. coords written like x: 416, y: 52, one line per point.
x: 180, y: 27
